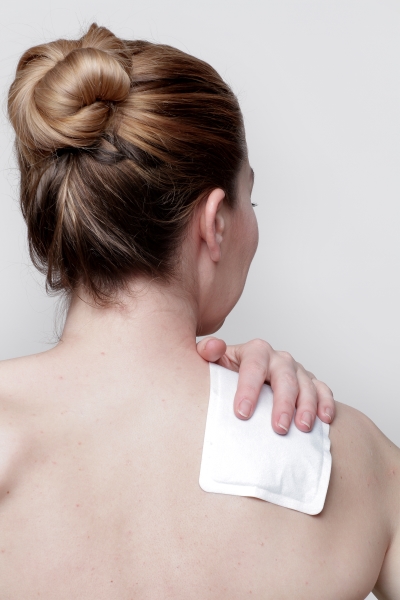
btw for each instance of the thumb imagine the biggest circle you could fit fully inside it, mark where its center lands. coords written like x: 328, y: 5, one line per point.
x: 211, y: 349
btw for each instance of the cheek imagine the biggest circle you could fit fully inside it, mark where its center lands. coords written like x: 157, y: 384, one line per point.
x: 249, y: 235
x: 255, y: 235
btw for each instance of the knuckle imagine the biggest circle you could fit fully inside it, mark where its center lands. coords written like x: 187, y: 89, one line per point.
x: 286, y: 356
x: 249, y: 388
x: 289, y: 402
x: 284, y: 405
x: 301, y: 368
x: 305, y: 405
x: 260, y: 345
x: 307, y: 386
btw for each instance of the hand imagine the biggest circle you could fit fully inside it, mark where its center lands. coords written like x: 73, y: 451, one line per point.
x: 294, y: 387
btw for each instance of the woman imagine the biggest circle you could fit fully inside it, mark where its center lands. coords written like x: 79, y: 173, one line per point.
x: 136, y: 189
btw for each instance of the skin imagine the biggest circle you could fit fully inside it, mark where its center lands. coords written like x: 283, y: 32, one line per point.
x: 101, y: 455
x: 294, y: 387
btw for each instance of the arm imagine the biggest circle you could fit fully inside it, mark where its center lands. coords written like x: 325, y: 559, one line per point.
x: 388, y: 585
x: 293, y: 386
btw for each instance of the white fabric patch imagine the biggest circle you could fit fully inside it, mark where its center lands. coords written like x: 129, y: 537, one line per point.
x: 247, y: 458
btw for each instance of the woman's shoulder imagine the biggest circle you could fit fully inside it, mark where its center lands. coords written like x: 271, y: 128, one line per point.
x: 20, y: 378
x: 353, y: 429
x: 19, y: 386
x: 366, y: 463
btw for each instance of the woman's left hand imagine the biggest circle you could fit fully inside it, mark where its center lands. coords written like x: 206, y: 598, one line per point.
x: 294, y: 387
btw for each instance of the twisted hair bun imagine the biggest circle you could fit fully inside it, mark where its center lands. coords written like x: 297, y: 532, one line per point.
x: 63, y: 91
x: 137, y: 158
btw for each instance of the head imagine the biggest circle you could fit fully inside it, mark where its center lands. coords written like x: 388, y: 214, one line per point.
x: 127, y: 150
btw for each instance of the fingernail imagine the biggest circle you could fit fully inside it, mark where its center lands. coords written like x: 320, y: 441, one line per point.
x: 245, y: 408
x: 284, y: 422
x: 307, y: 419
x: 329, y: 413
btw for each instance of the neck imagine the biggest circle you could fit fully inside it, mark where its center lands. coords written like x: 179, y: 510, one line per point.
x: 149, y: 323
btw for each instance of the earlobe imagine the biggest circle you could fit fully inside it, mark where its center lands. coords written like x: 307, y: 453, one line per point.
x: 212, y: 223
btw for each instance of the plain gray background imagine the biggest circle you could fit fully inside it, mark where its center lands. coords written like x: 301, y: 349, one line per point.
x: 318, y: 82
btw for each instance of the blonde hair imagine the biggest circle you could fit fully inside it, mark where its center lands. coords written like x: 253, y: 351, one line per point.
x: 117, y: 142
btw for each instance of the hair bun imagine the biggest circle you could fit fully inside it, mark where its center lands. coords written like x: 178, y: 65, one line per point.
x: 63, y: 90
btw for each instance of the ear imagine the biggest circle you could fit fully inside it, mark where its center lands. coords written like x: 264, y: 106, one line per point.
x: 212, y: 223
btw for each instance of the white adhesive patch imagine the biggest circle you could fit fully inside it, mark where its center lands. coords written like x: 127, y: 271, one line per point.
x: 247, y: 458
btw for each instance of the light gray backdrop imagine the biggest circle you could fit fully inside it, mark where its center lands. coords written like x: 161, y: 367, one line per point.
x: 319, y: 86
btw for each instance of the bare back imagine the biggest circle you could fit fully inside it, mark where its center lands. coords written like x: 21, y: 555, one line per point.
x: 100, y: 496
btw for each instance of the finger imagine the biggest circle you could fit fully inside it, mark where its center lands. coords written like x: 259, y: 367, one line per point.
x: 211, y: 349
x: 285, y: 387
x: 306, y: 402
x: 308, y: 373
x: 253, y: 361
x: 326, y: 402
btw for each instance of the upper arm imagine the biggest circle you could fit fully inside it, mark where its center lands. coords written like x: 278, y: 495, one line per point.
x: 373, y: 475
x: 387, y: 586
